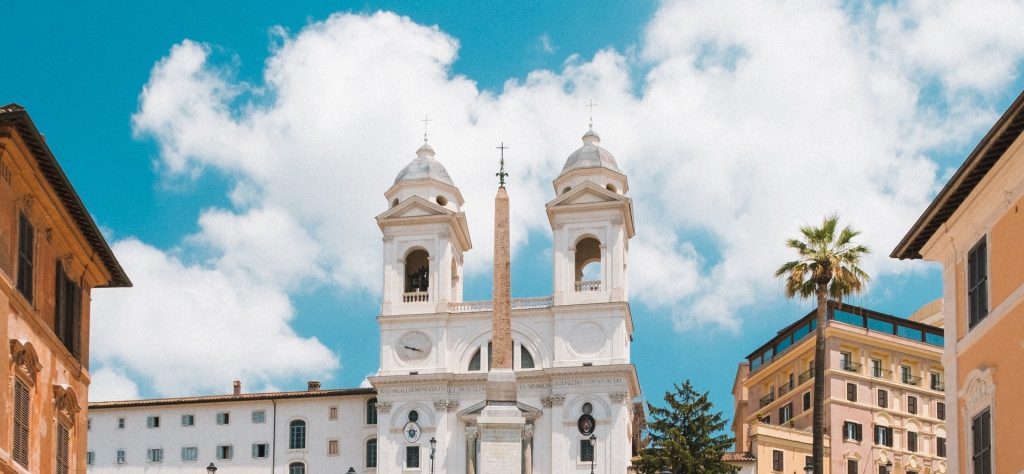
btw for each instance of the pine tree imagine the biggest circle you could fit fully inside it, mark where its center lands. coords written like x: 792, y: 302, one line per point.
x: 685, y: 437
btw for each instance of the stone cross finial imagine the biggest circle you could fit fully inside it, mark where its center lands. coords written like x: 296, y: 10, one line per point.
x: 591, y: 107
x: 426, y: 121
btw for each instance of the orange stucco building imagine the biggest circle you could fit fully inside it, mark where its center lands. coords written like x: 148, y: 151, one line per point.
x: 975, y: 229
x: 51, y: 257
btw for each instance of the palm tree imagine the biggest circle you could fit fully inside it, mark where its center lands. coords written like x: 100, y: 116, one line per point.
x: 827, y: 266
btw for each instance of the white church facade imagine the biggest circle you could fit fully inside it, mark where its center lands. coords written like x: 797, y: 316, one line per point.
x: 570, y: 386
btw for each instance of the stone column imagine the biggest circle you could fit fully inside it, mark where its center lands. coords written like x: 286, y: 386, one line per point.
x: 470, y: 450
x: 528, y: 449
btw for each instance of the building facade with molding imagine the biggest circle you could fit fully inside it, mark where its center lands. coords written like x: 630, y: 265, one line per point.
x: 571, y: 350
x: 975, y: 229
x: 51, y: 257
x: 884, y: 387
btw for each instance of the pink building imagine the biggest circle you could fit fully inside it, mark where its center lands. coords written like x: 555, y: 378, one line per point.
x: 885, y: 410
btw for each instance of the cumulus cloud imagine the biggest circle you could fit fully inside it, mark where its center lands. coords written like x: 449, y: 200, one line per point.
x: 749, y: 119
x: 112, y: 384
x: 195, y: 328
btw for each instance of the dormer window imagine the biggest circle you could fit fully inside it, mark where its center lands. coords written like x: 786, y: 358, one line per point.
x: 588, y: 265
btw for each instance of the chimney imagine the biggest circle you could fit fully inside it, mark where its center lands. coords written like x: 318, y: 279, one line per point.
x: 237, y: 386
x: 313, y: 385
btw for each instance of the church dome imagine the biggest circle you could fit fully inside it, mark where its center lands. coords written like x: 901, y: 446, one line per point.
x: 590, y: 155
x: 424, y: 166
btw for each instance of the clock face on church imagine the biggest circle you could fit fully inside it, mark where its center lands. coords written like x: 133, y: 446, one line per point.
x: 414, y: 346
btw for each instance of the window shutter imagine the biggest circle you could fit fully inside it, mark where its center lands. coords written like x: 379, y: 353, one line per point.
x: 63, y: 443
x: 21, y: 423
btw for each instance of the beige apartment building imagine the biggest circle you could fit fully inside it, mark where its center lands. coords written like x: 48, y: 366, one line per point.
x: 975, y: 229
x: 885, y: 411
x: 51, y: 257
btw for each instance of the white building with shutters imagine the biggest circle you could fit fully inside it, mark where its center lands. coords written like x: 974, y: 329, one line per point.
x: 571, y: 352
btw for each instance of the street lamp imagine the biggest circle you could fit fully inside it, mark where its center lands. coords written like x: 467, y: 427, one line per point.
x: 433, y: 449
x: 351, y: 470
x: 212, y: 469
x: 809, y: 467
x: 593, y: 452
x: 888, y: 467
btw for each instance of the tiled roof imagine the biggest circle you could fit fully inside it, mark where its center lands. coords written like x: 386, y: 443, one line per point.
x: 232, y: 398
x: 15, y: 116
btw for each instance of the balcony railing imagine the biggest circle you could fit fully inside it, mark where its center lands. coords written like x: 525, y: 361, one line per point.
x: 533, y: 302
x: 805, y: 376
x: 911, y: 380
x: 415, y: 297
x: 767, y: 399
x: 938, y: 386
x: 880, y: 373
x: 588, y: 285
x: 850, y: 366
x: 785, y: 388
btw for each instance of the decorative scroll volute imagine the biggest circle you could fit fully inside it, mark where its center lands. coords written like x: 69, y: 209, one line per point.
x: 66, y: 402
x: 25, y: 359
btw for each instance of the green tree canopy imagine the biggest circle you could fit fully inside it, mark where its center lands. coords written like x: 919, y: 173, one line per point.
x: 685, y: 436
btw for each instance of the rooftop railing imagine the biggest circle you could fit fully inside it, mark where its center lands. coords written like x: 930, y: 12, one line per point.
x: 533, y: 302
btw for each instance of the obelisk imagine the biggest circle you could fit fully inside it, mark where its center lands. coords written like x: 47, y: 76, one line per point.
x: 501, y: 423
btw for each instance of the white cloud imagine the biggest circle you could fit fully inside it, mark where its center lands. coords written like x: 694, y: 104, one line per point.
x: 112, y: 384
x: 194, y: 329
x: 753, y: 118
x: 546, y: 45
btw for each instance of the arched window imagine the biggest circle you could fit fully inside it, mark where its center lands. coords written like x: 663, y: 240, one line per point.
x: 474, y: 363
x: 588, y: 265
x: 417, y: 272
x: 525, y: 358
x: 297, y: 434
x: 371, y: 452
x: 296, y: 468
x: 371, y: 411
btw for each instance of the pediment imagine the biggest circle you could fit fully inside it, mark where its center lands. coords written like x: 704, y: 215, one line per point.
x: 587, y: 193
x: 415, y: 207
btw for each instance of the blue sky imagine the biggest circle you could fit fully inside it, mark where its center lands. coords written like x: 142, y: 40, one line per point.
x: 235, y: 158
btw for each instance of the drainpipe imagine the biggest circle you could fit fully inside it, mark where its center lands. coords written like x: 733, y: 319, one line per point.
x: 273, y: 442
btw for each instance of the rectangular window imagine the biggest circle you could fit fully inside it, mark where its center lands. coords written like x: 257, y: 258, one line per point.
x: 846, y: 362
x: 785, y: 413
x: 883, y: 398
x: 258, y: 416
x: 26, y: 256
x: 155, y: 455
x: 935, y: 380
x: 906, y: 374
x: 940, y: 447
x: 883, y: 436
x: 851, y: 392
x: 63, y: 444
x: 332, y: 413
x: 777, y: 460
x: 88, y: 424
x: 876, y: 368
x: 189, y: 453
x: 121, y: 459
x: 90, y: 458
x: 977, y: 282
x: 260, y: 450
x: 188, y: 420
x: 225, y: 451
x: 152, y: 422
x: 940, y: 410
x: 412, y: 456
x: 120, y: 423
x: 807, y: 401
x: 67, y: 309
x: 851, y: 466
x: 371, y: 453
x: 332, y: 447
x: 586, y: 451
x: 911, y: 404
x: 767, y: 419
x: 981, y: 447
x: 912, y: 441
x: 21, y: 423
x: 223, y: 418
x: 852, y: 431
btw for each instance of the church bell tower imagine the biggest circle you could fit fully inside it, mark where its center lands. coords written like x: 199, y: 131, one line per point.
x: 591, y: 223
x: 425, y: 237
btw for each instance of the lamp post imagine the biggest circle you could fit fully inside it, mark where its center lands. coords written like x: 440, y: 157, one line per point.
x: 351, y: 470
x: 593, y: 452
x: 888, y: 467
x: 433, y: 449
x: 809, y: 467
x: 212, y: 469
